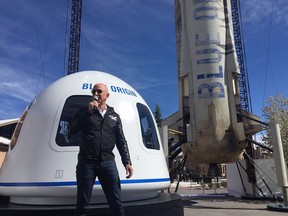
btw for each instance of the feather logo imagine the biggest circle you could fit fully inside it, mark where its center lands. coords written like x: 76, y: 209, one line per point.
x: 114, y: 118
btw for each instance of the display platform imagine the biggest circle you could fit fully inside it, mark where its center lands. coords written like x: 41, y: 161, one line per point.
x: 165, y: 204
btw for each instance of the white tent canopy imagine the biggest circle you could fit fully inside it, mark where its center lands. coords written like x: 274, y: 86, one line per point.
x: 8, y: 122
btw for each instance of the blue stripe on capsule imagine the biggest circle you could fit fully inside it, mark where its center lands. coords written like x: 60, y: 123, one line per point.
x: 74, y: 183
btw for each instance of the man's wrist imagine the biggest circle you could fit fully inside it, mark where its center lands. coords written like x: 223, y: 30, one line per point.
x: 128, y: 163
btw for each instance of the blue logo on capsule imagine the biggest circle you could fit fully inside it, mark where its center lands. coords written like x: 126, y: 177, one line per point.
x: 115, y: 89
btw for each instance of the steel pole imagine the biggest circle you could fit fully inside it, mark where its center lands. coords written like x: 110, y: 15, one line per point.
x: 280, y: 165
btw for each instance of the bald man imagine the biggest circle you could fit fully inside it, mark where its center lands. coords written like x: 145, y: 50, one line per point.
x: 101, y: 129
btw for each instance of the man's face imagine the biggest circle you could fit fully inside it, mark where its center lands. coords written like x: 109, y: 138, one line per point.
x: 101, y: 91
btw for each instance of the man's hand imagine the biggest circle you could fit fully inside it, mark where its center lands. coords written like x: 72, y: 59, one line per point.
x: 93, y: 104
x: 129, y: 170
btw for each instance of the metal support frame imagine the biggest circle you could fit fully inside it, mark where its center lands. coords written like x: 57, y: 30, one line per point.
x: 75, y: 31
x: 240, y: 51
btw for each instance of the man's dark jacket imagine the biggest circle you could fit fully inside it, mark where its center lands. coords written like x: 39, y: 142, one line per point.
x: 99, y: 135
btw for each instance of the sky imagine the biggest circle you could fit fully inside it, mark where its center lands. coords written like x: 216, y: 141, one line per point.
x: 131, y: 39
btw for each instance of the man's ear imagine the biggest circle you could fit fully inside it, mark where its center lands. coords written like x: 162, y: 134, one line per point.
x: 108, y: 95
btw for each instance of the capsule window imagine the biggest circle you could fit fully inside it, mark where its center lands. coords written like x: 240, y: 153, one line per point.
x: 148, y: 129
x: 72, y: 106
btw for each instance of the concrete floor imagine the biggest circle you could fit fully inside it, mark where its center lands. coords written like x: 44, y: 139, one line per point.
x: 218, y: 203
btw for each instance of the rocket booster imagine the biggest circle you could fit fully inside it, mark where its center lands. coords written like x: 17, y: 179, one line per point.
x: 208, y: 81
